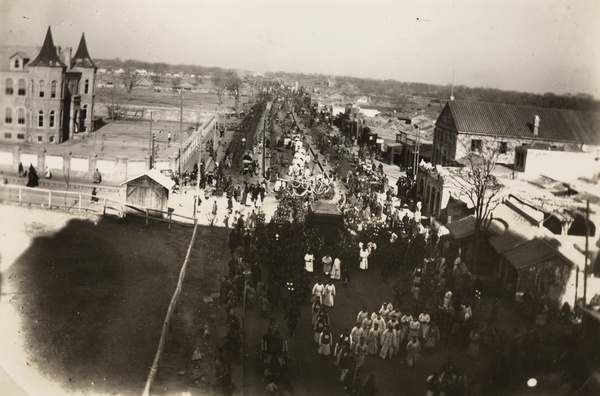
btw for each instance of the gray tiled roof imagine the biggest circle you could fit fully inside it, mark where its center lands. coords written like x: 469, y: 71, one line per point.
x: 517, y: 121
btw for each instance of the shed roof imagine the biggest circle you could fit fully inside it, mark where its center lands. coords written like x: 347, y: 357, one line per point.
x: 517, y: 121
x: 465, y: 227
x: 155, y: 175
x: 530, y: 253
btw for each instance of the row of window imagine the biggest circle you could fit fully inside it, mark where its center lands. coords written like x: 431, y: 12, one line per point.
x: 22, y: 87
x: 21, y: 136
x: 21, y: 114
x: 477, y: 145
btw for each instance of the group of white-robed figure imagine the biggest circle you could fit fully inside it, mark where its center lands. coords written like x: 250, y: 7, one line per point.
x: 331, y: 268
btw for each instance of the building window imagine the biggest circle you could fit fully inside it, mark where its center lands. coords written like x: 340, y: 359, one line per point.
x: 8, y: 116
x: 475, y: 144
x: 17, y: 64
x: 86, y: 86
x: 52, y: 119
x: 22, y: 87
x: 53, y: 89
x: 42, y: 88
x: 21, y: 136
x: 40, y: 139
x: 8, y: 136
x: 84, y: 115
x: 21, y: 116
x: 51, y: 139
x: 40, y: 118
x: 520, y: 159
x: 9, y: 86
x: 502, y: 147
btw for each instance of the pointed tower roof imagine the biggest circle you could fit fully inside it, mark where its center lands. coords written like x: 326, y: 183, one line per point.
x: 82, y: 57
x: 48, y: 56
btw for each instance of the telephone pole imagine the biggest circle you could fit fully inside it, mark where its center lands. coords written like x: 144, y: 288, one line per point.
x: 180, y: 113
x: 150, y: 145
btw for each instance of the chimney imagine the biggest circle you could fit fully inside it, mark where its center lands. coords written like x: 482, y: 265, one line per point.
x: 66, y: 56
x: 536, y: 125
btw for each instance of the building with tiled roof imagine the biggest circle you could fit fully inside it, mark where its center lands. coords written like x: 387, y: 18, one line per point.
x: 464, y: 126
x: 47, y: 95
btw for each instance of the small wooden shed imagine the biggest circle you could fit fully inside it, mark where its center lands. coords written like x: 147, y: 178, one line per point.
x: 149, y: 190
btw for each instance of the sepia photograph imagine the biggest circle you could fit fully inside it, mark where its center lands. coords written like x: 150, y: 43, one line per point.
x: 290, y: 198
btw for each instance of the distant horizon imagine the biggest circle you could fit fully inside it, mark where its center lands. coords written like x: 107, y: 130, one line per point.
x: 369, y: 78
x: 537, y: 46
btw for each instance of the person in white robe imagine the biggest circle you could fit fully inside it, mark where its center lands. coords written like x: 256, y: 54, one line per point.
x: 309, y: 262
x: 336, y: 270
x: 413, y: 349
x: 378, y: 319
x: 448, y: 300
x: 415, y: 327
x: 360, y: 352
x: 385, y: 311
x: 424, y: 318
x: 364, y: 256
x: 387, y: 343
x: 367, y: 323
x: 329, y: 294
x: 374, y: 339
x: 325, y: 340
x: 362, y: 314
x: 317, y: 292
x: 355, y: 334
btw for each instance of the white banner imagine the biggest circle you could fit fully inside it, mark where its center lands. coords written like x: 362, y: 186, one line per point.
x: 29, y: 159
x: 161, y: 165
x: 6, y: 158
x: 80, y: 165
x: 106, y: 166
x: 135, y: 168
x: 53, y: 162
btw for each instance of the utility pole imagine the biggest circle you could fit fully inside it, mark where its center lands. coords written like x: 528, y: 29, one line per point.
x: 180, y: 113
x: 214, y: 139
x: 198, y: 175
x: 587, y: 234
x: 417, y: 150
x: 150, y: 145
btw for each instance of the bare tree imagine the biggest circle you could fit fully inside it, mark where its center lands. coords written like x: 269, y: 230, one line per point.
x: 482, y: 188
x: 234, y: 85
x: 176, y: 83
x: 219, y: 86
x: 114, y: 107
x: 131, y: 79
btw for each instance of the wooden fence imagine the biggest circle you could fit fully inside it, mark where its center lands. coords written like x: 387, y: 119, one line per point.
x: 84, y: 202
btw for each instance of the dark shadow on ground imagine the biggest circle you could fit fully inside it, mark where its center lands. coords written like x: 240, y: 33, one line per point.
x: 93, y: 298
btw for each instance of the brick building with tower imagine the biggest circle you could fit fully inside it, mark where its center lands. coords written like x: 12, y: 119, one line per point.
x: 47, y: 93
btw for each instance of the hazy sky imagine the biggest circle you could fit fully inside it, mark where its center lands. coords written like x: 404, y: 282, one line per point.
x: 524, y: 45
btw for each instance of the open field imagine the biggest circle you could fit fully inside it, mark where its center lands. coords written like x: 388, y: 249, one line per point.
x: 167, y: 97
